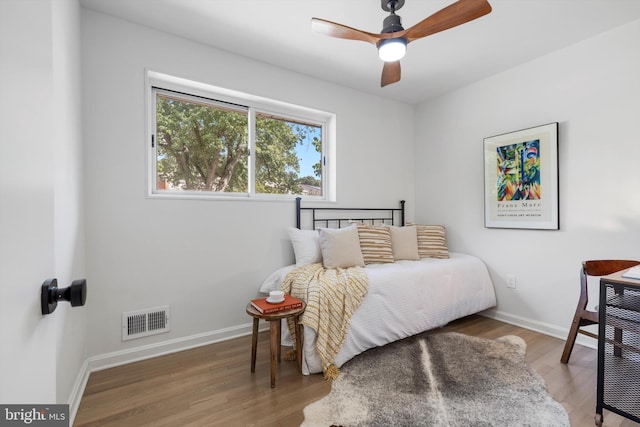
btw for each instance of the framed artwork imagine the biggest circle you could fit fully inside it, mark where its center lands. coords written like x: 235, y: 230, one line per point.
x: 521, y: 179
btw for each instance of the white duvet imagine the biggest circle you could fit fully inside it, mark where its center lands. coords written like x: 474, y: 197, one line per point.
x: 405, y: 298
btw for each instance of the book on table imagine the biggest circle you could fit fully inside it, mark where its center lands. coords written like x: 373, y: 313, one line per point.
x: 265, y: 307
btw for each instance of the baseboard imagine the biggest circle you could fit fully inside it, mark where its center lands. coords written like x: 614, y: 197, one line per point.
x: 78, y: 391
x: 542, y: 327
x: 130, y: 355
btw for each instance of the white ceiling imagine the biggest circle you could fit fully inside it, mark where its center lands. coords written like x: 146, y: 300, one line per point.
x: 279, y: 32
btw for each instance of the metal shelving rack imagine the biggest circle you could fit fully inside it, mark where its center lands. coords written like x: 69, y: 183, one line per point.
x: 618, y: 387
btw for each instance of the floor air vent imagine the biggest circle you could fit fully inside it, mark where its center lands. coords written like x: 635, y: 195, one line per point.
x: 142, y: 323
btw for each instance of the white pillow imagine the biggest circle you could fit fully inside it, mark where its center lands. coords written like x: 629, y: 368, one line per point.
x: 306, y: 246
x: 340, y: 247
x: 275, y: 279
x: 404, y: 242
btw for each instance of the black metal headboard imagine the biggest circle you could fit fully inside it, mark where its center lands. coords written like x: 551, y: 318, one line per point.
x: 336, y: 217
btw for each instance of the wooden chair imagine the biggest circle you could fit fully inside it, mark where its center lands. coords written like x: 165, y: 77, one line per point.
x: 584, y: 317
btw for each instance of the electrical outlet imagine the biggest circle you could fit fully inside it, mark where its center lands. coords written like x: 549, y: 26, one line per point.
x: 511, y: 281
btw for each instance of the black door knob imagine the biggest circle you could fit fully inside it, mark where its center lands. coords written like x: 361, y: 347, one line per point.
x: 50, y: 294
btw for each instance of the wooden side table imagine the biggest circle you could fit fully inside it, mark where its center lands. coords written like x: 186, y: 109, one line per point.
x: 275, y: 330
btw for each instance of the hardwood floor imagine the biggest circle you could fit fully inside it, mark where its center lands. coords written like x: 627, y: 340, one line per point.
x: 213, y: 385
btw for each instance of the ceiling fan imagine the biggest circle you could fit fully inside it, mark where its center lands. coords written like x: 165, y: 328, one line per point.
x: 393, y: 39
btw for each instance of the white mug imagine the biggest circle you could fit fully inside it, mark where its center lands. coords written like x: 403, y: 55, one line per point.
x: 276, y: 295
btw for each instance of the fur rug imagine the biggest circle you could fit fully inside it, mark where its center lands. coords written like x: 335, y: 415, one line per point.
x: 442, y: 380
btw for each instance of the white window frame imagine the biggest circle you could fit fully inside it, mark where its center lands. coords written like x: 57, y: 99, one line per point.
x: 158, y: 82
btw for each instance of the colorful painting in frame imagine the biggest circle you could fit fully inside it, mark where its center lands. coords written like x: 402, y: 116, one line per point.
x: 521, y: 179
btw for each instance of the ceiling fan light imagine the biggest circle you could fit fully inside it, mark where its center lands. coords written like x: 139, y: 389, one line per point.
x: 390, y: 50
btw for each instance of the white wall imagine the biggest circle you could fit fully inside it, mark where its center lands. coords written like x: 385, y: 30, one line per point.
x: 26, y: 217
x: 592, y: 90
x: 41, y: 198
x: 205, y: 259
x: 68, y: 179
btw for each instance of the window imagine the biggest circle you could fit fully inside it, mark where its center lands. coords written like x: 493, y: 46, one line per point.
x: 211, y: 142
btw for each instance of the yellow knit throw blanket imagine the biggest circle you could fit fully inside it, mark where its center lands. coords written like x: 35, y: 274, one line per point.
x: 332, y: 296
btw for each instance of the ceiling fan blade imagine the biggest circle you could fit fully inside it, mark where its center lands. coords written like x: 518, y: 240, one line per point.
x: 332, y: 29
x: 451, y: 16
x: 390, y: 73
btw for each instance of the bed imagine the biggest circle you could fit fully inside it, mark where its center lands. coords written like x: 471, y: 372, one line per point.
x: 404, y: 296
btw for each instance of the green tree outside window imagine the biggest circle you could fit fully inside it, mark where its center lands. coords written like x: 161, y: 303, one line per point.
x: 204, y: 146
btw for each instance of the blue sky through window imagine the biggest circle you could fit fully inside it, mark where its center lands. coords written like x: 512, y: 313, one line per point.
x: 307, y: 153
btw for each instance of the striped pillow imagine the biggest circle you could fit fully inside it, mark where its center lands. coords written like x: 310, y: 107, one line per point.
x: 432, y: 241
x: 375, y: 243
